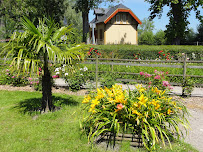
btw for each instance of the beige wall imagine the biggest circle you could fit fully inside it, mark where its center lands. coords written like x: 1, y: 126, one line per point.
x: 121, y: 34
x: 118, y: 32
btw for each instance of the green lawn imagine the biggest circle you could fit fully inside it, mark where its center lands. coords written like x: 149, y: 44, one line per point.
x: 53, y: 132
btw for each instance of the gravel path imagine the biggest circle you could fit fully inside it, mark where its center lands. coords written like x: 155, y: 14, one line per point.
x: 194, y: 103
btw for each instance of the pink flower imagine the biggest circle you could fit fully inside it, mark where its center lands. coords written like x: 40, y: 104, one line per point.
x: 166, y: 72
x: 7, y: 73
x: 54, y: 76
x: 157, y: 77
x: 7, y: 70
x: 141, y: 73
x: 13, y: 77
x: 150, y: 83
x: 40, y: 69
x: 50, y: 64
x: 165, y: 83
x: 37, y: 82
x: 149, y: 86
x: 170, y: 88
x: 30, y: 79
x: 155, y: 71
x: 31, y: 82
x: 120, y: 106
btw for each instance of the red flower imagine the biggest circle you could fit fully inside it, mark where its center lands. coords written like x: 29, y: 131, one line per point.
x: 136, y: 58
x: 167, y: 72
x: 163, y: 54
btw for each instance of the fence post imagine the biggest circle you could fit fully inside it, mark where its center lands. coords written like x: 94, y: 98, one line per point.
x: 112, y: 60
x: 184, y: 74
x: 96, y: 71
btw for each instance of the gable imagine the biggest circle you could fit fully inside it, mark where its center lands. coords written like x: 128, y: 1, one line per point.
x: 122, y: 10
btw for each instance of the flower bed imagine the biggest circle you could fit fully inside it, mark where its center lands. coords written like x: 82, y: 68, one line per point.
x: 150, y: 113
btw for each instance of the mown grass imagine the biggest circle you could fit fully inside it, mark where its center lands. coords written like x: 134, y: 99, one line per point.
x: 23, y: 130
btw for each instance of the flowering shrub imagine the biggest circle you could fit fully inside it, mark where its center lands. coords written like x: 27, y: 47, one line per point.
x: 92, y: 52
x: 164, y: 55
x: 77, y: 79
x: 158, y: 79
x: 12, y: 78
x: 149, y: 113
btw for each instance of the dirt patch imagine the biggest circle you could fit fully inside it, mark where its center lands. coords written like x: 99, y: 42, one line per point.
x: 54, y: 90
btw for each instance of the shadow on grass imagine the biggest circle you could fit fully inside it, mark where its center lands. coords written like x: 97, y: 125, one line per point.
x: 33, y: 105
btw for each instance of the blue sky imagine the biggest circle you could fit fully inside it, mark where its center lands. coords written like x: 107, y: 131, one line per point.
x: 140, y: 9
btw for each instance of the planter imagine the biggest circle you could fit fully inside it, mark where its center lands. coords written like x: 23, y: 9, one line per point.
x: 135, y: 140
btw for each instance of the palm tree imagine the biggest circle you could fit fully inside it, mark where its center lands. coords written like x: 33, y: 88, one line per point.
x: 36, y: 47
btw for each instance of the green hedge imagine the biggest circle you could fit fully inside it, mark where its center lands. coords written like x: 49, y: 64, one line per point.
x: 150, y: 51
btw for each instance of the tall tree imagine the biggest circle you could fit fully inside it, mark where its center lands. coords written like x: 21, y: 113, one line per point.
x: 35, y: 46
x: 178, y: 14
x: 85, y: 6
x: 200, y: 33
x: 12, y: 10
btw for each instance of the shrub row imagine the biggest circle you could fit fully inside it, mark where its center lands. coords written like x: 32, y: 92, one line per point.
x: 150, y: 52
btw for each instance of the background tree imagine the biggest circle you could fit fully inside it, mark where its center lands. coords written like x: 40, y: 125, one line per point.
x: 200, y: 33
x: 178, y: 16
x: 35, y: 46
x: 159, y: 38
x: 12, y: 10
x: 145, y: 32
x: 146, y: 26
x: 85, y: 6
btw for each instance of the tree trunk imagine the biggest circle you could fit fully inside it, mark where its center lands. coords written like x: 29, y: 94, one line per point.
x: 46, y: 87
x: 179, y: 22
x: 85, y: 19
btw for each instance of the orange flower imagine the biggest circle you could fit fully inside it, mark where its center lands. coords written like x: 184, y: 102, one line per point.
x: 119, y: 107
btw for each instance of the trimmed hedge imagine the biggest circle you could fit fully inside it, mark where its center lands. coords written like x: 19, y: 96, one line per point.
x: 150, y: 51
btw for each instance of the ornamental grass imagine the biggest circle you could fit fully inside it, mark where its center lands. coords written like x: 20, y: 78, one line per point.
x: 149, y: 113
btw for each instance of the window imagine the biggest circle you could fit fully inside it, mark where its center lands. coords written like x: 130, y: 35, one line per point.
x: 124, y: 18
x: 118, y: 19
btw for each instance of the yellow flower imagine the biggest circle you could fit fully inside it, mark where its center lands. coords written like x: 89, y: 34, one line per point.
x: 135, y: 104
x: 157, y: 106
x: 92, y: 110
x: 140, y: 88
x: 86, y: 99
x: 154, y: 102
x: 100, y: 93
x: 157, y: 91
x: 95, y: 102
x: 169, y: 111
x: 143, y: 100
x: 136, y: 112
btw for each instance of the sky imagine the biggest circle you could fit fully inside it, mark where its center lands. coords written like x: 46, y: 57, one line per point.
x: 140, y: 9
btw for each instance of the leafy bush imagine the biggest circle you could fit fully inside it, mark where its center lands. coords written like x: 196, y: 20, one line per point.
x: 158, y: 79
x: 149, y: 51
x: 108, y: 80
x: 8, y: 77
x: 188, y: 86
x: 77, y: 79
x: 150, y: 113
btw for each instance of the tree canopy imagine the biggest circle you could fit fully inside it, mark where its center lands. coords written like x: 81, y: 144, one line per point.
x: 178, y: 16
x: 85, y: 6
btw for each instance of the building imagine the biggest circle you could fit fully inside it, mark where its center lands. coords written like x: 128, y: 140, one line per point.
x: 116, y: 25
